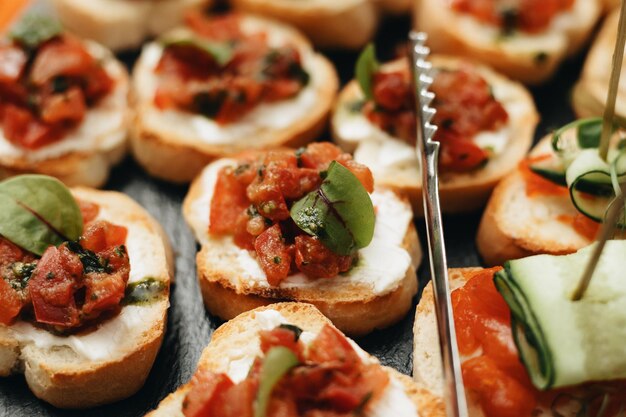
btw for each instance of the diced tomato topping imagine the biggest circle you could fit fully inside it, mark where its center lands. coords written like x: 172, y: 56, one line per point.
x: 192, y: 80
x: 206, y: 390
x: 88, y: 210
x: 22, y: 128
x: 465, y: 107
x: 52, y: 287
x: 61, y: 56
x: 228, y: 203
x: 11, y: 304
x: 281, y: 337
x: 317, y: 261
x: 274, y: 254
x: 238, y: 400
x: 319, y: 155
x: 101, y: 235
x: 526, y: 15
x: 363, y: 173
x: 64, y: 107
x: 536, y: 185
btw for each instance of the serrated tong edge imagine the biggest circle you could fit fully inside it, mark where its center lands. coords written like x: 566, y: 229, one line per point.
x: 428, y: 153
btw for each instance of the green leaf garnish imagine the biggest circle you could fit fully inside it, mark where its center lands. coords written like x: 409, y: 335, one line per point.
x: 221, y: 52
x: 278, y: 361
x: 340, y: 213
x: 37, y: 211
x: 34, y: 29
x: 144, y: 291
x: 366, y: 66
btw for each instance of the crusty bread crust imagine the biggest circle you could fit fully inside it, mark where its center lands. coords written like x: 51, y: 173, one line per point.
x: 329, y: 24
x: 353, y: 307
x: 459, y: 192
x: 591, y: 90
x: 77, y: 165
x: 238, y: 333
x: 122, y: 25
x: 178, y: 157
x: 455, y: 33
x: 514, y: 225
x: 66, y: 379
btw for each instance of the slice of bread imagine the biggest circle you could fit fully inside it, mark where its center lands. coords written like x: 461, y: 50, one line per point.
x: 427, y: 357
x: 530, y: 58
x: 239, y: 338
x: 394, y: 162
x: 175, y: 145
x: 376, y: 293
x: 119, y: 24
x: 113, y: 361
x: 329, y: 24
x: 515, y: 225
x: 87, y: 153
x: 591, y: 91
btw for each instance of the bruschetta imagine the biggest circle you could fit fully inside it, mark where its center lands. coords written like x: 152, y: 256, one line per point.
x: 121, y: 25
x: 485, y: 125
x: 590, y: 92
x: 223, y: 85
x: 329, y: 24
x: 84, y: 320
x: 63, y: 105
x: 298, y: 225
x: 532, y: 211
x: 524, y: 40
x: 501, y: 379
x: 270, y: 361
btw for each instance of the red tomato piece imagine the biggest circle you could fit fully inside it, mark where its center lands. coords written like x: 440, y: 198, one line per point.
x: 206, y: 389
x: 319, y: 155
x: 228, y: 202
x: 363, y: 173
x: 392, y: 90
x: 52, y: 286
x: 460, y: 155
x: 62, y: 56
x: 330, y: 346
x: 274, y: 254
x: 105, y: 290
x: 281, y: 337
x: 237, y: 401
x: 88, y: 210
x: 64, y: 107
x: 23, y: 129
x: 10, y: 303
x: 317, y: 261
x: 101, y: 235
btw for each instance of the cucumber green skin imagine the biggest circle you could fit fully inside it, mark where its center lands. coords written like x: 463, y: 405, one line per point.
x: 585, y: 186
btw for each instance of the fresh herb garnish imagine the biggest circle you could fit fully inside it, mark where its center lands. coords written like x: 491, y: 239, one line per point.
x: 366, y: 66
x: 295, y: 329
x: 92, y: 263
x: 340, y: 212
x: 221, y: 52
x: 144, y: 291
x: 35, y: 29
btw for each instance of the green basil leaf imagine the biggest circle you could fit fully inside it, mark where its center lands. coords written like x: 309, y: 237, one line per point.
x: 220, y: 51
x: 366, y: 66
x: 340, y: 213
x: 34, y: 29
x: 278, y: 361
x: 49, y: 199
x: 24, y: 228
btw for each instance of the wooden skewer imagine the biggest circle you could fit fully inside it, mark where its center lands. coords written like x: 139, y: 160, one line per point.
x: 609, y: 109
x: 9, y: 9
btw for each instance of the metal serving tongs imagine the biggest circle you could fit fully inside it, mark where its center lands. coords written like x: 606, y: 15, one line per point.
x: 428, y: 152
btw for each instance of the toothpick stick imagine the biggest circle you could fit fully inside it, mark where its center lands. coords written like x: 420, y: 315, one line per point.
x: 608, y: 228
x: 609, y: 110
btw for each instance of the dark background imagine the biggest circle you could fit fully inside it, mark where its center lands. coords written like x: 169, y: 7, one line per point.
x: 190, y: 326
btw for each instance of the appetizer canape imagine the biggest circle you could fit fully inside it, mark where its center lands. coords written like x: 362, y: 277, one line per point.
x: 591, y: 90
x: 329, y: 24
x: 289, y: 360
x: 303, y: 226
x: 555, y: 200
x: 123, y: 24
x: 525, y: 40
x: 526, y: 348
x: 63, y: 105
x: 222, y: 85
x: 83, y: 291
x: 485, y: 125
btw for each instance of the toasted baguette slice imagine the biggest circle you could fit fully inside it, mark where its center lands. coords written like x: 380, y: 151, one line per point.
x: 515, y: 225
x: 591, y: 90
x: 239, y: 338
x: 175, y: 145
x: 427, y: 357
x: 530, y: 58
x: 88, y: 152
x: 122, y: 25
x: 113, y: 361
x: 394, y: 162
x: 375, y: 294
x: 329, y: 24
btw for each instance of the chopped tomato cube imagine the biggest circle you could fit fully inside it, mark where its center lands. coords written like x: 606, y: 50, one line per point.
x: 22, y: 128
x: 62, y: 56
x: 10, y: 303
x: 101, y: 235
x: 206, y: 389
x: 317, y: 261
x: 363, y: 173
x: 319, y: 155
x: 88, y: 210
x: 64, y: 107
x: 281, y: 337
x: 228, y: 202
x: 274, y: 254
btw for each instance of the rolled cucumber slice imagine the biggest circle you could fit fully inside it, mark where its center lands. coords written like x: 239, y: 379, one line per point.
x: 563, y: 342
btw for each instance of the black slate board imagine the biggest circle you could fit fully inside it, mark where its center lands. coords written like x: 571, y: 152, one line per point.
x: 190, y: 327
